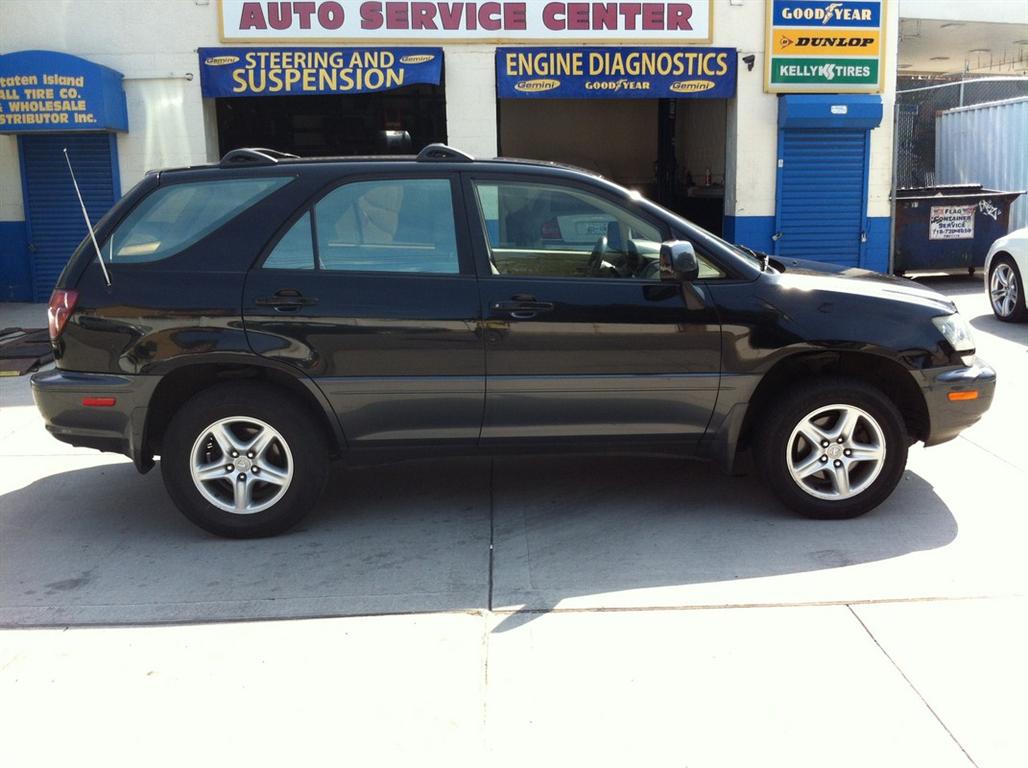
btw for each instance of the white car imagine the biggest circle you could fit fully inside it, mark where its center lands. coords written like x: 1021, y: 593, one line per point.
x: 1005, y: 268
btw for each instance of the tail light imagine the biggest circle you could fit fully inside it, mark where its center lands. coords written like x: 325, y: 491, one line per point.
x: 62, y: 304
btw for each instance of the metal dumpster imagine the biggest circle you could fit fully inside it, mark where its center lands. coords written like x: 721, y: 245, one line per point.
x: 948, y: 226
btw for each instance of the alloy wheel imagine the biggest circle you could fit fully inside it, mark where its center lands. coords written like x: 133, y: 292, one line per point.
x: 836, y: 452
x: 241, y: 465
x: 1003, y: 290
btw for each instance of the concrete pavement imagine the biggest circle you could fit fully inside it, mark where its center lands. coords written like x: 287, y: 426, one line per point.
x: 633, y: 611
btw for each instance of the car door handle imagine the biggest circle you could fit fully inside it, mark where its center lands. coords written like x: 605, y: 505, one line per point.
x: 286, y: 300
x: 522, y: 310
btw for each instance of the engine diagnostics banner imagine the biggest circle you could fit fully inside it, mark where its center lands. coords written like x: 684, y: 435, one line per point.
x: 307, y: 71
x: 615, y: 73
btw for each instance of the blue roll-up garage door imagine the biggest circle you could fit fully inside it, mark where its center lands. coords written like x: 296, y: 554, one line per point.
x: 822, y: 196
x: 821, y: 193
x: 52, y: 213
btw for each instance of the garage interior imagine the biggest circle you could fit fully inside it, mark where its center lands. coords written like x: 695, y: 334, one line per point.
x: 670, y: 150
x: 400, y: 121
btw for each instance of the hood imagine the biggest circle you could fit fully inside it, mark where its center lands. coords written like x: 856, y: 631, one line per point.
x: 804, y: 275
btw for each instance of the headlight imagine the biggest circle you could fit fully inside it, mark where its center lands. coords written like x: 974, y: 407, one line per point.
x: 956, y: 331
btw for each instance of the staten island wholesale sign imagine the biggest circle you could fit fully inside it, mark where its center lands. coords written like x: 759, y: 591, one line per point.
x: 817, y: 46
x: 330, y: 21
x: 54, y: 91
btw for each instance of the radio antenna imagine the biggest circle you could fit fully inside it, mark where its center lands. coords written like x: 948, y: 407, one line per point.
x: 89, y: 226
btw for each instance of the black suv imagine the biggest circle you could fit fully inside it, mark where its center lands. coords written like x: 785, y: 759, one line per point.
x: 270, y: 313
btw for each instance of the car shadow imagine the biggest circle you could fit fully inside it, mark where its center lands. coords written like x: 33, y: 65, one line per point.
x: 604, y: 529
x: 951, y: 285
x: 1017, y: 332
x: 103, y: 545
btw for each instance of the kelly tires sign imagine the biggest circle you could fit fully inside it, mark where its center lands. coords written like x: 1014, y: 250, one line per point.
x: 392, y: 21
x: 820, y: 46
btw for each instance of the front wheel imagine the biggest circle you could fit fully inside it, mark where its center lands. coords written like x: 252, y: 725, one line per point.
x: 242, y: 460
x: 833, y: 449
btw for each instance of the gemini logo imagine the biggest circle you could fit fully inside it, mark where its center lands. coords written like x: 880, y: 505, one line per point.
x: 420, y: 58
x: 220, y: 61
x: 536, y: 86
x: 692, y: 86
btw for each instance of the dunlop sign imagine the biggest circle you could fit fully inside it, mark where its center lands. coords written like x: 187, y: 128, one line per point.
x: 820, y: 46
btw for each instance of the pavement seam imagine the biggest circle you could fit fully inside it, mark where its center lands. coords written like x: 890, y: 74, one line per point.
x: 992, y: 453
x: 8, y: 625
x: 492, y: 528
x: 912, y: 686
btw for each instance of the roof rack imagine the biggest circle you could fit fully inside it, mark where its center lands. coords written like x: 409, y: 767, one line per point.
x: 443, y: 153
x: 254, y: 156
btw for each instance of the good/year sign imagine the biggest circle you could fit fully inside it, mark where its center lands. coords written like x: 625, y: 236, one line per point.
x: 334, y: 20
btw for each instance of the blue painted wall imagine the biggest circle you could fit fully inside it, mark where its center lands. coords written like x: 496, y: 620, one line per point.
x: 752, y: 231
x: 876, y: 254
x: 15, y: 269
x: 756, y: 231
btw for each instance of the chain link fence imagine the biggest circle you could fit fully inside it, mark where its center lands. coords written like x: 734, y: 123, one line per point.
x: 918, y: 102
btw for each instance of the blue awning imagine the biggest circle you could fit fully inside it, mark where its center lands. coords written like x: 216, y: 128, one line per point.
x: 49, y: 91
x: 841, y: 110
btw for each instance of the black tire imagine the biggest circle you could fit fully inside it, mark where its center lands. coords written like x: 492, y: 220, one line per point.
x: 1020, y: 312
x: 307, y: 456
x: 772, y: 446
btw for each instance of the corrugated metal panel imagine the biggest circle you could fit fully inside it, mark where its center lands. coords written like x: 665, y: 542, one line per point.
x: 52, y: 211
x: 822, y: 194
x: 986, y: 144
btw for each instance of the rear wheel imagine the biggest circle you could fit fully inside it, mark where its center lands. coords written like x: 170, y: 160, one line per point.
x: 833, y: 449
x: 242, y: 460
x: 1006, y: 290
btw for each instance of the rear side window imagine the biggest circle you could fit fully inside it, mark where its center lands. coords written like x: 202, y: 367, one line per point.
x: 174, y: 217
x: 296, y: 248
x: 387, y: 225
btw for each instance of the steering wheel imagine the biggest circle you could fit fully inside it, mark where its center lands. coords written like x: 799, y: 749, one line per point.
x: 595, y: 267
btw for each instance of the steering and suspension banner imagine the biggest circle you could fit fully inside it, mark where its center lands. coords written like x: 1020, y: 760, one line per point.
x: 615, y: 73
x: 306, y: 71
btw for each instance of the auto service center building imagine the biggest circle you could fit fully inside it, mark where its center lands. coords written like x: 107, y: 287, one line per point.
x: 769, y: 123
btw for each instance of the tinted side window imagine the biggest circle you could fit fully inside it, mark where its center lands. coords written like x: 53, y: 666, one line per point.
x: 296, y: 248
x: 174, y: 217
x: 389, y: 225
x: 556, y: 231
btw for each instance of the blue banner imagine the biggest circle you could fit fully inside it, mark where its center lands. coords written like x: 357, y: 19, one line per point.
x: 615, y: 73
x: 306, y: 71
x: 827, y: 13
x: 53, y: 91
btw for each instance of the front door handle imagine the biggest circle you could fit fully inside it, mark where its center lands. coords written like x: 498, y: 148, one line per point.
x: 286, y: 300
x: 521, y: 309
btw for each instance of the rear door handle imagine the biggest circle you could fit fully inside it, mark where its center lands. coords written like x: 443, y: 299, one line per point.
x: 285, y: 300
x: 522, y: 310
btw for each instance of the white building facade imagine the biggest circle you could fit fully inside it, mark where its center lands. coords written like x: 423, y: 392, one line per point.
x: 713, y: 138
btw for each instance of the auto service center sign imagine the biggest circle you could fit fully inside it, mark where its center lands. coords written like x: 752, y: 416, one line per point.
x: 825, y: 46
x: 299, y: 21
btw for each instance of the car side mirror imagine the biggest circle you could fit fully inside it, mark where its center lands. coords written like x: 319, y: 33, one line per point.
x: 678, y: 261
